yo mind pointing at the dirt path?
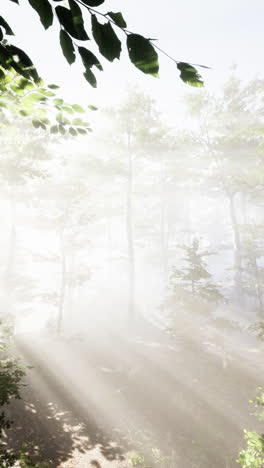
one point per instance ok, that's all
(94, 400)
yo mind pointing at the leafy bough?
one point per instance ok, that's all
(103, 28)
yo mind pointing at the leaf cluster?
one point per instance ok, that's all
(253, 455)
(41, 105)
(103, 29)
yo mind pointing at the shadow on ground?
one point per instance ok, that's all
(107, 393)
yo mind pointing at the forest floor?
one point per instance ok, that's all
(135, 398)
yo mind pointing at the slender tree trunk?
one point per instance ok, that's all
(164, 225)
(244, 208)
(10, 264)
(189, 227)
(8, 277)
(63, 285)
(108, 247)
(258, 285)
(71, 285)
(237, 247)
(130, 235)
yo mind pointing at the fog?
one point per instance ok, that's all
(132, 273)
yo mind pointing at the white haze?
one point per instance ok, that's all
(129, 354)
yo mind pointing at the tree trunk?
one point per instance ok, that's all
(71, 285)
(237, 248)
(8, 279)
(258, 285)
(164, 226)
(130, 236)
(62, 286)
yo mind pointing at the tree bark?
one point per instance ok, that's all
(130, 234)
(237, 247)
(164, 225)
(62, 286)
(8, 277)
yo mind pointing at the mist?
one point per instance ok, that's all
(132, 269)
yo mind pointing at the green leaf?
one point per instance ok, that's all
(58, 102)
(72, 131)
(62, 130)
(93, 108)
(23, 83)
(78, 108)
(142, 54)
(6, 59)
(78, 19)
(62, 120)
(68, 109)
(20, 61)
(44, 10)
(78, 121)
(90, 77)
(16, 89)
(36, 123)
(66, 19)
(106, 39)
(89, 59)
(67, 46)
(93, 3)
(82, 131)
(54, 129)
(35, 97)
(46, 92)
(25, 112)
(117, 18)
(53, 86)
(6, 26)
(189, 74)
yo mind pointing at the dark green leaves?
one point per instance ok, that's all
(53, 86)
(78, 20)
(93, 3)
(90, 77)
(89, 60)
(72, 21)
(106, 39)
(67, 46)
(142, 51)
(44, 10)
(142, 54)
(20, 61)
(118, 19)
(189, 74)
(6, 26)
(93, 108)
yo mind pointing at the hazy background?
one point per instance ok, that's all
(132, 269)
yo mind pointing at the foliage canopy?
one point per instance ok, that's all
(103, 30)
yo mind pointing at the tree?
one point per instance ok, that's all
(253, 455)
(194, 277)
(11, 374)
(229, 134)
(22, 97)
(73, 25)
